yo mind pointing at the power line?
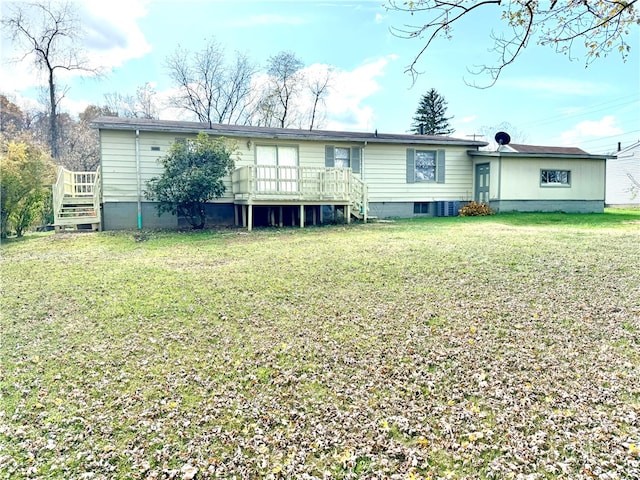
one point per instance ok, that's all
(598, 107)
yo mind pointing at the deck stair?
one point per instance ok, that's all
(76, 200)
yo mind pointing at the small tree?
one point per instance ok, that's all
(430, 118)
(49, 34)
(193, 175)
(26, 173)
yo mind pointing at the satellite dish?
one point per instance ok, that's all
(502, 138)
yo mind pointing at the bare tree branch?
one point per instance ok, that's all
(208, 87)
(51, 33)
(602, 26)
(318, 87)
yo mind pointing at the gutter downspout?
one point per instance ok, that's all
(139, 179)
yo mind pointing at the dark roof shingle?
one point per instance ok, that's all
(520, 148)
(118, 123)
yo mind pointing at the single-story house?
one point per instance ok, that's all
(532, 178)
(293, 177)
(623, 178)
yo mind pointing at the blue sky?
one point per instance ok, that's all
(548, 98)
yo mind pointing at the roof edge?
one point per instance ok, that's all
(484, 153)
(117, 123)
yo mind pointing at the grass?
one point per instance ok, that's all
(496, 347)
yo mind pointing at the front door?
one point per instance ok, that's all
(482, 183)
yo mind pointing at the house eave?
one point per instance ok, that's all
(482, 153)
(265, 133)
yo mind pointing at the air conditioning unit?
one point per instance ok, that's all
(447, 209)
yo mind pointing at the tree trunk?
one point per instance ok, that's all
(53, 120)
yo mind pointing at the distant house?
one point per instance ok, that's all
(532, 178)
(623, 177)
(296, 177)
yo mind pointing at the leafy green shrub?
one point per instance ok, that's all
(26, 171)
(194, 174)
(475, 209)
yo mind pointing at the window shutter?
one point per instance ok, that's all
(355, 159)
(440, 166)
(329, 156)
(411, 165)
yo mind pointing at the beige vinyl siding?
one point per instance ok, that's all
(118, 167)
(521, 179)
(119, 176)
(385, 172)
(119, 160)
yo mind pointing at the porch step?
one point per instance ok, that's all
(91, 227)
(85, 200)
(77, 212)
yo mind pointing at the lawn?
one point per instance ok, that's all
(496, 347)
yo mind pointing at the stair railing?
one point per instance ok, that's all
(359, 198)
(58, 192)
(97, 192)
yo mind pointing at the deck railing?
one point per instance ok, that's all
(76, 184)
(285, 183)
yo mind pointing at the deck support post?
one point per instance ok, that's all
(347, 213)
(301, 216)
(250, 217)
(236, 221)
(281, 218)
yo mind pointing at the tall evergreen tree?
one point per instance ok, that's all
(430, 118)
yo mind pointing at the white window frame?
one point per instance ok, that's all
(339, 160)
(418, 176)
(272, 178)
(550, 177)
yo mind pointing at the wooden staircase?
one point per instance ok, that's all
(76, 200)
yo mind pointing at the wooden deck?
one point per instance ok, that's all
(300, 192)
(302, 187)
(76, 200)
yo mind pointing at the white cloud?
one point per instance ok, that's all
(346, 108)
(380, 18)
(111, 36)
(113, 33)
(605, 127)
(468, 119)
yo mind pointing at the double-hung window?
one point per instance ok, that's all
(425, 165)
(342, 157)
